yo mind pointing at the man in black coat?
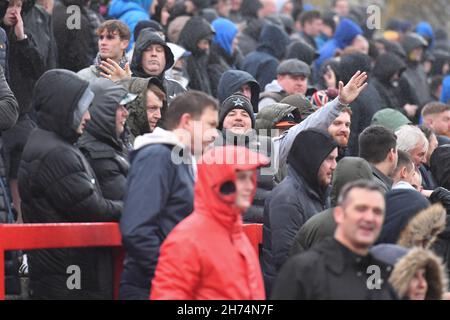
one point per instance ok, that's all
(102, 143)
(342, 268)
(303, 193)
(57, 184)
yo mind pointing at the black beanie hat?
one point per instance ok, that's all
(309, 149)
(236, 101)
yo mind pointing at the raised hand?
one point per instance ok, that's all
(353, 88)
(112, 70)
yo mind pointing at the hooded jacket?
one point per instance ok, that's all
(366, 104)
(100, 144)
(386, 66)
(401, 206)
(145, 39)
(322, 225)
(231, 82)
(208, 256)
(296, 199)
(410, 263)
(196, 29)
(160, 193)
(262, 64)
(302, 51)
(345, 33)
(130, 12)
(248, 38)
(137, 120)
(57, 185)
(77, 47)
(414, 76)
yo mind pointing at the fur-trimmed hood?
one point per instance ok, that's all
(423, 228)
(414, 260)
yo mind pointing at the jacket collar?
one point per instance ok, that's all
(338, 257)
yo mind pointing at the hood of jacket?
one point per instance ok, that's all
(137, 119)
(351, 63)
(273, 40)
(412, 41)
(387, 65)
(196, 29)
(401, 206)
(269, 116)
(426, 30)
(423, 228)
(302, 51)
(226, 31)
(215, 189)
(440, 165)
(249, 8)
(158, 136)
(346, 31)
(347, 170)
(409, 264)
(103, 111)
(231, 82)
(145, 39)
(309, 149)
(55, 99)
(118, 8)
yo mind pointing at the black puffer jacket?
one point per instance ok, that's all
(197, 65)
(57, 184)
(105, 151)
(145, 39)
(386, 66)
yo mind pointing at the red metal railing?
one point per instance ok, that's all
(60, 235)
(77, 235)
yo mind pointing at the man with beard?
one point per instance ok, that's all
(302, 194)
(339, 129)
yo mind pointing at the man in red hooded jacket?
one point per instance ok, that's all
(207, 256)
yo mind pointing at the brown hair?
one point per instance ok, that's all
(112, 26)
(192, 102)
(434, 108)
(347, 110)
(157, 91)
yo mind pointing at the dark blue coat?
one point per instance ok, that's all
(159, 195)
(262, 64)
(289, 206)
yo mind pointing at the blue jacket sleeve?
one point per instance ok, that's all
(147, 194)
